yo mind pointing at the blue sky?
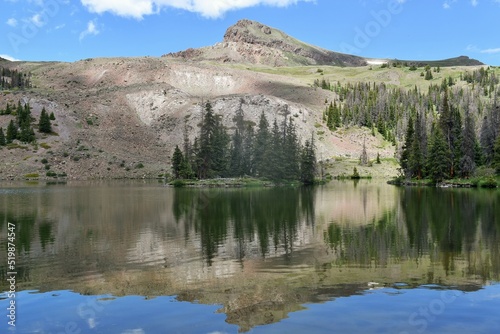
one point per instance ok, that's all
(70, 30)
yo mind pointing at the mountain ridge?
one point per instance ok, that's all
(252, 42)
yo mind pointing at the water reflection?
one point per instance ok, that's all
(270, 217)
(260, 253)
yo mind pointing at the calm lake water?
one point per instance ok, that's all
(139, 257)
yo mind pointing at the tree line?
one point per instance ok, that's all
(271, 151)
(10, 79)
(458, 125)
(21, 127)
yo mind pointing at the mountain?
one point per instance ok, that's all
(457, 61)
(255, 43)
(252, 42)
(123, 117)
(3, 59)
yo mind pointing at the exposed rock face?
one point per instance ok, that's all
(253, 42)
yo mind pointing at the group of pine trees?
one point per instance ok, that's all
(273, 152)
(21, 127)
(452, 148)
(10, 79)
(437, 127)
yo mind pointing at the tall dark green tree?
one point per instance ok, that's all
(496, 156)
(469, 144)
(291, 152)
(44, 125)
(12, 132)
(177, 162)
(2, 138)
(406, 149)
(261, 146)
(308, 162)
(438, 161)
(416, 161)
(220, 149)
(205, 154)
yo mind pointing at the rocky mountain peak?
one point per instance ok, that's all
(248, 31)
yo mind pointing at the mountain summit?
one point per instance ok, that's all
(255, 43)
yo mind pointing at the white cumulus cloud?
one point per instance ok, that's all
(91, 30)
(12, 22)
(207, 8)
(491, 51)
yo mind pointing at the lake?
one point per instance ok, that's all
(348, 257)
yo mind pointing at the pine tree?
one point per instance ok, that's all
(308, 162)
(177, 162)
(44, 123)
(261, 146)
(220, 150)
(405, 154)
(291, 152)
(469, 143)
(11, 132)
(438, 163)
(2, 138)
(363, 159)
(205, 154)
(52, 117)
(416, 160)
(496, 156)
(235, 165)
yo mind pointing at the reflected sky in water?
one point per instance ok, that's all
(261, 260)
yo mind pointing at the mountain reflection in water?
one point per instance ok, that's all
(259, 253)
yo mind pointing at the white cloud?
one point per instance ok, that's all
(91, 30)
(12, 22)
(491, 51)
(474, 3)
(38, 20)
(447, 4)
(212, 9)
(9, 58)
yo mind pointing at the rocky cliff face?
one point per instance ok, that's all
(252, 42)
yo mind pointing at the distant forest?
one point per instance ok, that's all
(273, 152)
(10, 79)
(446, 132)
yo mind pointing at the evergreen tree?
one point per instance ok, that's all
(220, 150)
(438, 163)
(416, 160)
(291, 152)
(405, 154)
(363, 159)
(248, 151)
(11, 132)
(3, 142)
(52, 117)
(274, 157)
(308, 162)
(177, 162)
(44, 123)
(205, 154)
(261, 146)
(469, 143)
(236, 163)
(496, 156)
(487, 140)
